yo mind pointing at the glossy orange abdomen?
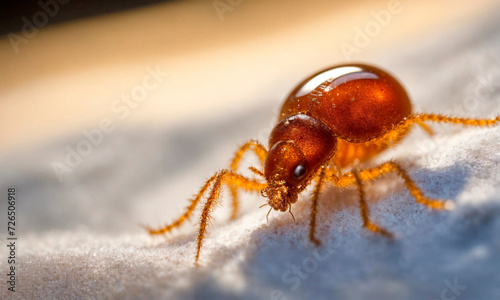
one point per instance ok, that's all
(359, 103)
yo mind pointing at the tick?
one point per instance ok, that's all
(330, 123)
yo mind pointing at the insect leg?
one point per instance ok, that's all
(261, 153)
(365, 214)
(187, 214)
(317, 190)
(356, 178)
(232, 180)
(463, 121)
(340, 180)
(425, 127)
(373, 173)
(402, 128)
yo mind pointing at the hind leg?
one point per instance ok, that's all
(421, 119)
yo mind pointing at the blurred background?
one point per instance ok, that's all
(64, 65)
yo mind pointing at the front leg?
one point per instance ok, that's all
(233, 180)
(317, 190)
(227, 177)
(187, 213)
(261, 153)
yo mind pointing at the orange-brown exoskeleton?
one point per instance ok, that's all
(328, 125)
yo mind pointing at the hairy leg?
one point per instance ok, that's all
(255, 146)
(344, 180)
(349, 179)
(365, 214)
(231, 179)
(352, 178)
(373, 173)
(317, 190)
(261, 153)
(420, 119)
(187, 214)
(358, 177)
(425, 127)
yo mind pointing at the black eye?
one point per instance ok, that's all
(299, 172)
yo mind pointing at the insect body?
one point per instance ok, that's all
(332, 121)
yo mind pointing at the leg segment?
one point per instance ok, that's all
(420, 119)
(223, 177)
(261, 153)
(371, 174)
(365, 212)
(227, 177)
(259, 150)
(349, 179)
(425, 127)
(344, 180)
(463, 121)
(317, 190)
(187, 214)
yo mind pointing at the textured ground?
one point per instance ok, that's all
(79, 237)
